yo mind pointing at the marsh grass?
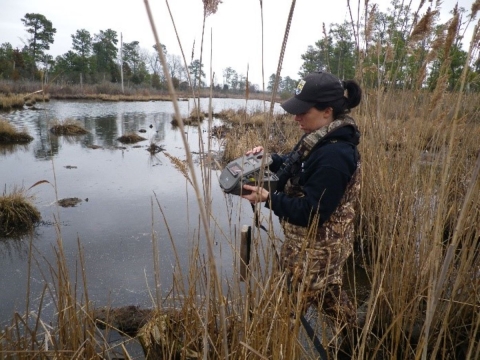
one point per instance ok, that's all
(10, 135)
(18, 215)
(417, 241)
(195, 117)
(10, 102)
(68, 127)
(245, 130)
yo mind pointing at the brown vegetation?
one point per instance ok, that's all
(69, 202)
(246, 130)
(130, 138)
(416, 246)
(11, 100)
(196, 117)
(68, 127)
(17, 213)
(10, 135)
(154, 148)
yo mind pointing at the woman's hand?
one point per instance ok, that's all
(255, 150)
(258, 194)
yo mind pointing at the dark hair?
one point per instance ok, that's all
(343, 105)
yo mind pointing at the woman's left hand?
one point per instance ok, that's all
(258, 194)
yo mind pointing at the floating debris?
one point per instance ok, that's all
(154, 148)
(94, 147)
(69, 202)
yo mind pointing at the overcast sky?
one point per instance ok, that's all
(235, 28)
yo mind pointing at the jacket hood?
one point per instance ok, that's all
(347, 133)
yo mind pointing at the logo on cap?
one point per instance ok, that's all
(300, 86)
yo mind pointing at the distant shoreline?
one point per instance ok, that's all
(112, 92)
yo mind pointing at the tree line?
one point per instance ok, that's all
(98, 57)
(104, 57)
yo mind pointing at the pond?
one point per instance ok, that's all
(119, 186)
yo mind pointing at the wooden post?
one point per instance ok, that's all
(245, 243)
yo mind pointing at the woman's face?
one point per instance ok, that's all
(314, 119)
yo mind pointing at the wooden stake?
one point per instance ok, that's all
(245, 243)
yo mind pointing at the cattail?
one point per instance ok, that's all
(210, 6)
(370, 22)
(452, 30)
(475, 8)
(389, 53)
(424, 25)
(179, 165)
(439, 41)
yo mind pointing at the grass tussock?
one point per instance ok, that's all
(10, 135)
(17, 213)
(36, 97)
(11, 102)
(196, 117)
(130, 138)
(68, 127)
(154, 148)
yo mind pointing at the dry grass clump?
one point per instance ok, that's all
(17, 213)
(154, 148)
(32, 99)
(68, 127)
(130, 138)
(196, 117)
(10, 135)
(9, 102)
(246, 131)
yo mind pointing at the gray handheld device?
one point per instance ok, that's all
(249, 169)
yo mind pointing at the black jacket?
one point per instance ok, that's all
(324, 176)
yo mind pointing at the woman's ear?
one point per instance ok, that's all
(328, 112)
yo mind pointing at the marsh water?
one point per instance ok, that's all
(121, 188)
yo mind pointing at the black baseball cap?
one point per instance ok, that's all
(317, 87)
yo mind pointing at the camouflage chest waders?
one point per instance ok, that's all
(315, 256)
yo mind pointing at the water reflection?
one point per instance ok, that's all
(9, 149)
(115, 226)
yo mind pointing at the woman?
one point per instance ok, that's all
(318, 185)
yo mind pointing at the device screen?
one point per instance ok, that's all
(235, 169)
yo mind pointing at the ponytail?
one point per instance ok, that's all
(354, 93)
(342, 106)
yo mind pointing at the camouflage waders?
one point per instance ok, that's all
(315, 256)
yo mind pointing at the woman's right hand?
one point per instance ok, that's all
(255, 150)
